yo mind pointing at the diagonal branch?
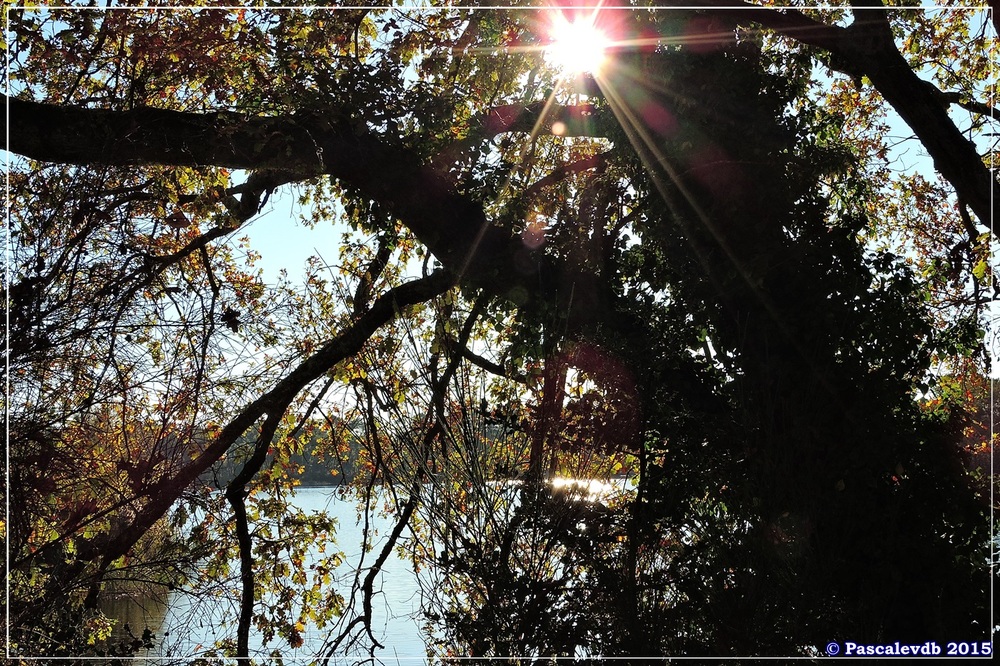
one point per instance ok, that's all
(787, 21)
(271, 404)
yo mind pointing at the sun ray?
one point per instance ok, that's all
(580, 46)
(658, 165)
(508, 181)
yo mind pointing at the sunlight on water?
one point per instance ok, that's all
(592, 490)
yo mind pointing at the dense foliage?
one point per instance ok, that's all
(705, 267)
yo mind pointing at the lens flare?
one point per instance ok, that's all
(577, 47)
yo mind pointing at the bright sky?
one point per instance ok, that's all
(284, 242)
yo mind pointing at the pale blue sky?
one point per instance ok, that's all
(284, 242)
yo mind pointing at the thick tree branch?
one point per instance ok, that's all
(255, 191)
(963, 101)
(541, 117)
(452, 226)
(76, 135)
(871, 50)
(562, 172)
(789, 22)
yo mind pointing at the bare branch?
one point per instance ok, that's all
(489, 366)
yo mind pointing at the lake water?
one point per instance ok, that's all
(188, 626)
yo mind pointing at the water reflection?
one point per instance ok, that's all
(135, 612)
(591, 490)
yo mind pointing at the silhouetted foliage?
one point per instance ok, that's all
(693, 273)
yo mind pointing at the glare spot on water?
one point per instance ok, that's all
(589, 489)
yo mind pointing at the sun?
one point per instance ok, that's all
(577, 47)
